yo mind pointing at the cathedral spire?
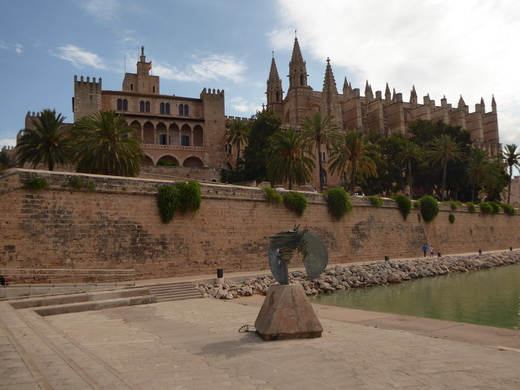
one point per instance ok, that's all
(388, 95)
(297, 68)
(413, 96)
(330, 93)
(274, 85)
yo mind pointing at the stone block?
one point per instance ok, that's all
(287, 314)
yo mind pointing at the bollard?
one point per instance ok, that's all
(510, 248)
(387, 258)
(439, 254)
(220, 276)
(480, 251)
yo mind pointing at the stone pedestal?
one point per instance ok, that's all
(287, 314)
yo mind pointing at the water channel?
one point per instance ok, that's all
(487, 297)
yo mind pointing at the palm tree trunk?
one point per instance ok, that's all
(238, 153)
(320, 166)
(353, 182)
(410, 178)
(509, 187)
(443, 195)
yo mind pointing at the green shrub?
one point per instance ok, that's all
(486, 208)
(376, 201)
(429, 208)
(36, 183)
(495, 206)
(508, 209)
(471, 207)
(338, 202)
(271, 196)
(189, 196)
(451, 218)
(296, 202)
(168, 202)
(404, 204)
(76, 183)
(162, 163)
(454, 205)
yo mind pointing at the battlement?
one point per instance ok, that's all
(212, 92)
(83, 82)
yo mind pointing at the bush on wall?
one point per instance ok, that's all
(471, 207)
(168, 202)
(508, 209)
(36, 183)
(486, 208)
(429, 208)
(271, 196)
(189, 196)
(182, 197)
(296, 202)
(451, 218)
(338, 202)
(375, 201)
(404, 204)
(495, 206)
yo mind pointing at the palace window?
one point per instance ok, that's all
(163, 139)
(141, 106)
(119, 104)
(184, 109)
(147, 106)
(229, 149)
(185, 140)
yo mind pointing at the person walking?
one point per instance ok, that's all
(431, 251)
(424, 249)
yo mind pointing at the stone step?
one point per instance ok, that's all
(77, 298)
(174, 291)
(94, 305)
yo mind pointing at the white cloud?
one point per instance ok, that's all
(79, 57)
(212, 67)
(18, 48)
(7, 142)
(102, 10)
(242, 105)
(442, 47)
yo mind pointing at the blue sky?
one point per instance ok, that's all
(443, 47)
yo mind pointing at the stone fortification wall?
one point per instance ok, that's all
(117, 225)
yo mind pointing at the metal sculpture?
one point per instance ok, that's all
(282, 249)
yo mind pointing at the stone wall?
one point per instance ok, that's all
(118, 226)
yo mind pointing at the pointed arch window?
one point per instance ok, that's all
(162, 110)
(181, 109)
(147, 106)
(119, 104)
(167, 108)
(141, 106)
(125, 105)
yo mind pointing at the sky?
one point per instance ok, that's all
(468, 48)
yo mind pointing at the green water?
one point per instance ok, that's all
(488, 297)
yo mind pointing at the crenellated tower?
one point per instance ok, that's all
(87, 96)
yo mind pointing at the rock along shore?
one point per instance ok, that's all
(341, 278)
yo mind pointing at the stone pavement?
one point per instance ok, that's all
(196, 344)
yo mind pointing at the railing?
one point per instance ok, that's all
(49, 276)
(172, 147)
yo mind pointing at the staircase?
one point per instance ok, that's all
(174, 291)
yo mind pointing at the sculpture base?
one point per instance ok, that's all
(287, 314)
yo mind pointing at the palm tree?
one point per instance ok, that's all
(237, 132)
(480, 169)
(291, 159)
(45, 142)
(6, 161)
(410, 151)
(104, 145)
(352, 155)
(319, 130)
(511, 155)
(445, 149)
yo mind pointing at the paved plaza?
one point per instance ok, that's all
(196, 344)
